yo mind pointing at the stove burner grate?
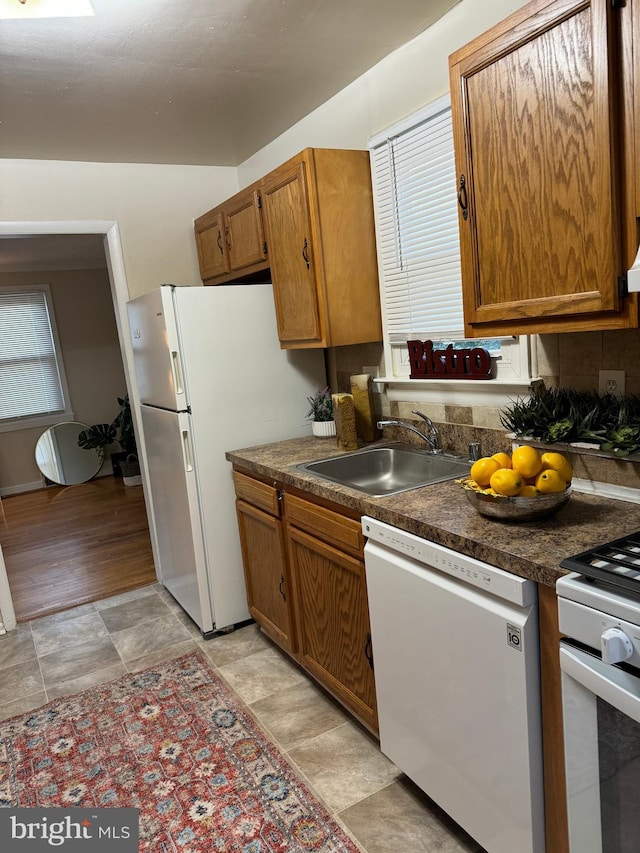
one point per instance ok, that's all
(616, 562)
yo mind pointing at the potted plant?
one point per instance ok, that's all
(321, 413)
(119, 431)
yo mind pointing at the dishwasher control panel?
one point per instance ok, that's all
(468, 569)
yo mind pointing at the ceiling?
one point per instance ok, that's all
(206, 82)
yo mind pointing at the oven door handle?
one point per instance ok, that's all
(612, 684)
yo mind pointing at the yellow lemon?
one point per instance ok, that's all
(559, 463)
(550, 481)
(506, 481)
(526, 461)
(503, 459)
(482, 469)
(529, 492)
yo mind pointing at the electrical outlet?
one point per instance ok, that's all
(611, 382)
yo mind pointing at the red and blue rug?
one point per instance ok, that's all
(173, 742)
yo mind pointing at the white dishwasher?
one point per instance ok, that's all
(456, 658)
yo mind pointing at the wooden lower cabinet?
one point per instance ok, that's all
(263, 554)
(306, 588)
(333, 615)
(265, 559)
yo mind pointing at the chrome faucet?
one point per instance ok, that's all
(432, 436)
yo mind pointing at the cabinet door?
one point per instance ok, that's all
(535, 126)
(212, 248)
(291, 254)
(265, 569)
(333, 619)
(243, 231)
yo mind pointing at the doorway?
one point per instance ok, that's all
(109, 233)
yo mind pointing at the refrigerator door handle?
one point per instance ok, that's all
(188, 453)
(178, 380)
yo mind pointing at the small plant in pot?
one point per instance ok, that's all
(119, 431)
(321, 413)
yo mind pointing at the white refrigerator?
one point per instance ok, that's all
(211, 377)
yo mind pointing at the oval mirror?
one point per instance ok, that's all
(60, 458)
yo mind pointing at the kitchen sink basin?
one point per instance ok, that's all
(387, 469)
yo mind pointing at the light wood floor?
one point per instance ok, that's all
(68, 545)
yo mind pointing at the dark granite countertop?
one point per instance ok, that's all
(442, 514)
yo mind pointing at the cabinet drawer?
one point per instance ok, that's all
(331, 527)
(257, 493)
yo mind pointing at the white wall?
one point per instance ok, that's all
(154, 206)
(397, 86)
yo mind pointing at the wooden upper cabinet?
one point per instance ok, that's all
(213, 256)
(230, 239)
(243, 230)
(539, 132)
(318, 212)
(291, 255)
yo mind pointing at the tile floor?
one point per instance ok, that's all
(76, 649)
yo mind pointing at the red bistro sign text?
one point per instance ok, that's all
(427, 363)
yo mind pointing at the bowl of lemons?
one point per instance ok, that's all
(526, 486)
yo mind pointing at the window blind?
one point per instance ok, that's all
(31, 382)
(414, 184)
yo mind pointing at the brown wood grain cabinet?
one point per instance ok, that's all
(230, 239)
(213, 256)
(264, 556)
(318, 213)
(244, 230)
(306, 588)
(544, 138)
(326, 553)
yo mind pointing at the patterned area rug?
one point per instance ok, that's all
(173, 742)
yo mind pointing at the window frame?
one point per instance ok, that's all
(49, 418)
(516, 365)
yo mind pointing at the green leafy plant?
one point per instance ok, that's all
(566, 415)
(321, 406)
(120, 430)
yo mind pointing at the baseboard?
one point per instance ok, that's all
(5, 491)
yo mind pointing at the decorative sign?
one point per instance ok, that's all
(428, 363)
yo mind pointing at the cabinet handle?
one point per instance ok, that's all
(228, 242)
(281, 588)
(219, 242)
(304, 252)
(368, 651)
(462, 197)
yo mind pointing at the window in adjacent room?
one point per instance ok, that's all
(415, 202)
(34, 389)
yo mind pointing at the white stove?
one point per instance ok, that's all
(599, 614)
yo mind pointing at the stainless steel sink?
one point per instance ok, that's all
(387, 469)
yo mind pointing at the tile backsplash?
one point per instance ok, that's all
(568, 360)
(574, 360)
